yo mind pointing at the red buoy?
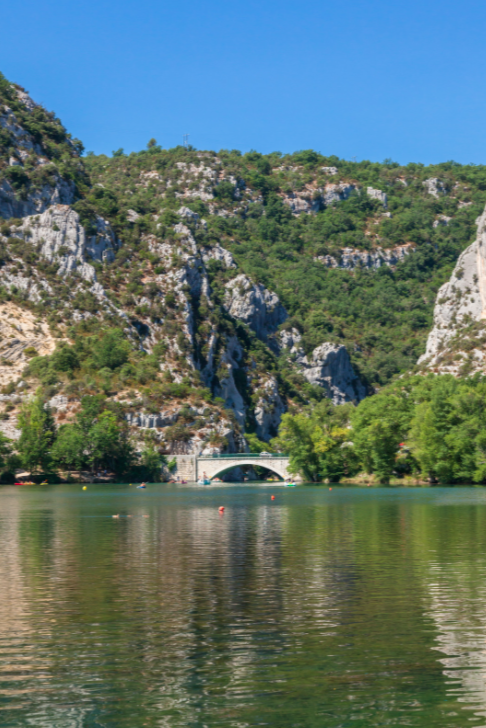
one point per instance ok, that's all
(330, 488)
(273, 497)
(221, 509)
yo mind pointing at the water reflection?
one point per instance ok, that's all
(360, 607)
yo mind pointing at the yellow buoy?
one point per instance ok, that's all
(84, 487)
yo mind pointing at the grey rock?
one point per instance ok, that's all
(352, 258)
(36, 201)
(132, 216)
(434, 186)
(299, 203)
(188, 214)
(227, 389)
(220, 254)
(269, 410)
(378, 195)
(337, 192)
(329, 367)
(60, 237)
(25, 99)
(255, 305)
(441, 220)
(330, 170)
(462, 299)
(290, 339)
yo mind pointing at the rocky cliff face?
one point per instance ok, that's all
(460, 302)
(328, 366)
(351, 258)
(314, 199)
(59, 237)
(256, 306)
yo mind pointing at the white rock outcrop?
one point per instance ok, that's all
(352, 258)
(227, 389)
(59, 236)
(220, 254)
(269, 409)
(462, 299)
(314, 199)
(302, 203)
(36, 200)
(378, 195)
(441, 220)
(329, 367)
(434, 186)
(255, 305)
(337, 192)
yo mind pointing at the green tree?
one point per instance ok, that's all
(68, 451)
(152, 460)
(37, 433)
(380, 423)
(112, 350)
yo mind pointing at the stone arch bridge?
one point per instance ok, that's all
(193, 467)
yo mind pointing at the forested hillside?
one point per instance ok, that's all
(187, 299)
(284, 217)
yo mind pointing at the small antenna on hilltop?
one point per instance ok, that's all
(185, 140)
(354, 159)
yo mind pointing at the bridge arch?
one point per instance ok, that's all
(212, 467)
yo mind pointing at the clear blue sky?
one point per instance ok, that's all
(364, 78)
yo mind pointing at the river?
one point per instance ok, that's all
(350, 607)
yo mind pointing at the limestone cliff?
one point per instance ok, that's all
(328, 366)
(255, 305)
(460, 302)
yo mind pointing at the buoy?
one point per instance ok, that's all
(330, 488)
(221, 509)
(273, 497)
(84, 487)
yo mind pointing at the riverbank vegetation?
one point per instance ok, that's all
(431, 427)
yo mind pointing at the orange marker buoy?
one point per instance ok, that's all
(221, 509)
(273, 497)
(330, 488)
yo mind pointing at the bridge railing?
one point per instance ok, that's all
(236, 455)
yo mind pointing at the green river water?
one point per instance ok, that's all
(329, 609)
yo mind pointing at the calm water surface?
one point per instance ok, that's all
(351, 607)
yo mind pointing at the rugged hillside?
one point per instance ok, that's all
(207, 293)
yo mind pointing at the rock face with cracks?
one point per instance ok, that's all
(255, 305)
(328, 366)
(460, 301)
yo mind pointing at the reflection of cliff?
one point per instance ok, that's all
(458, 610)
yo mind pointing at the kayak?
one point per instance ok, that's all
(290, 485)
(204, 481)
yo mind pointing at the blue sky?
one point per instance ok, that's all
(371, 80)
